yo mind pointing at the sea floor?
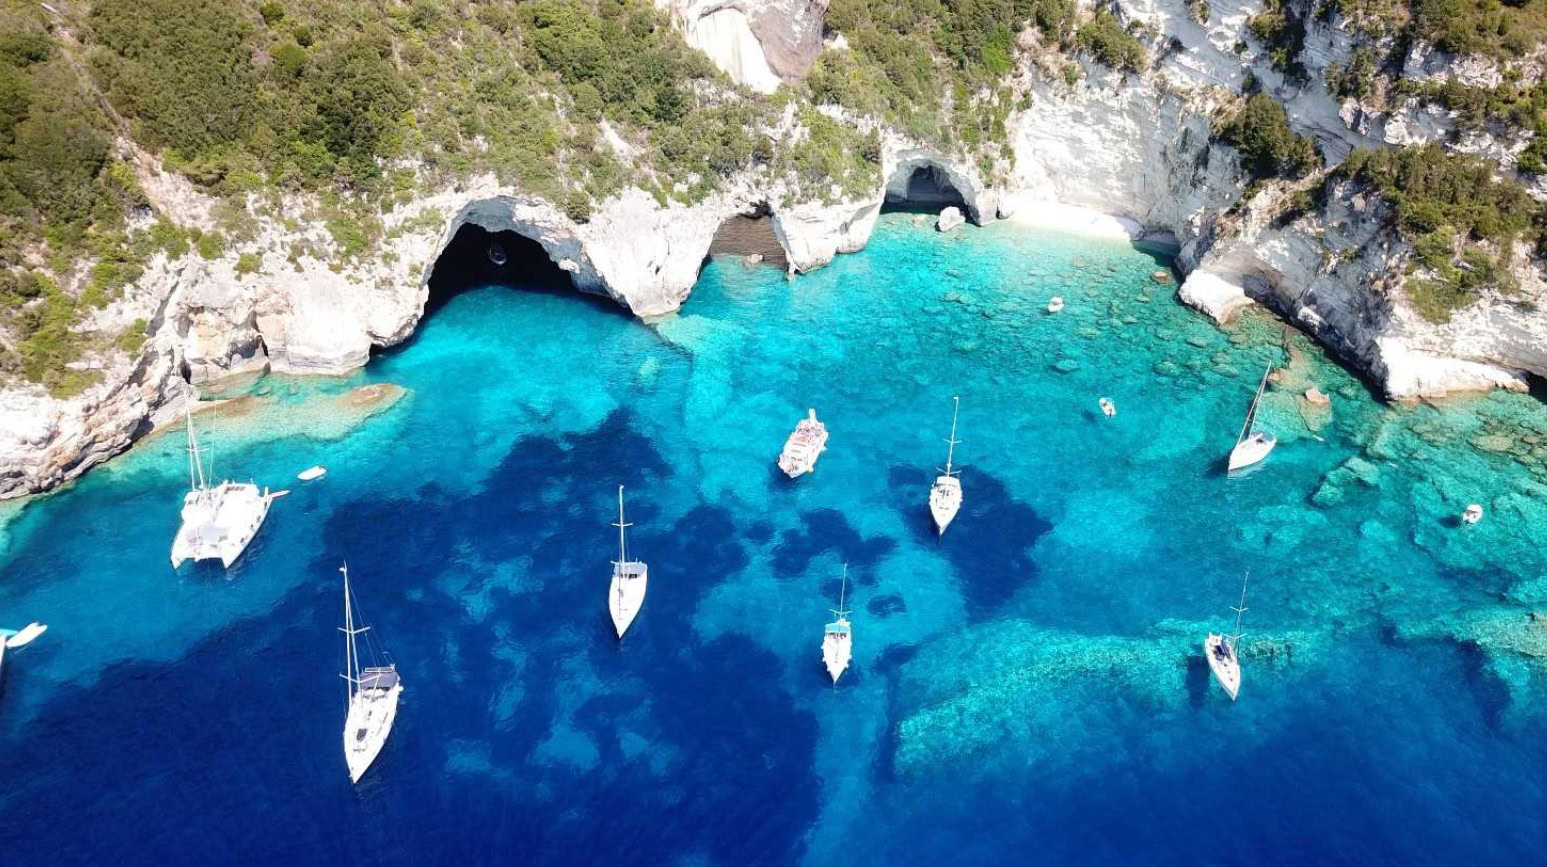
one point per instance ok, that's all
(1030, 688)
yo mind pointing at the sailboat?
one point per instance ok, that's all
(837, 638)
(218, 521)
(16, 639)
(1220, 650)
(373, 695)
(945, 496)
(629, 580)
(1253, 445)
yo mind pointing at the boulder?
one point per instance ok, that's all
(950, 218)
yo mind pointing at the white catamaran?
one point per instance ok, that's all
(220, 520)
(1221, 650)
(629, 579)
(1252, 445)
(837, 638)
(804, 446)
(373, 694)
(945, 496)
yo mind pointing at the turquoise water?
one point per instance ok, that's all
(1029, 688)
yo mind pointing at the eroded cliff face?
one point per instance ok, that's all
(1137, 147)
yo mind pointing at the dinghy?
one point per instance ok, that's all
(1252, 445)
(25, 635)
(310, 473)
(1108, 408)
(373, 694)
(1220, 650)
(804, 446)
(629, 579)
(837, 638)
(1472, 515)
(218, 521)
(945, 496)
(1055, 304)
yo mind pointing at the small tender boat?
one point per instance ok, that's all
(497, 255)
(1472, 515)
(804, 446)
(1108, 408)
(1252, 445)
(310, 473)
(1220, 650)
(838, 637)
(373, 695)
(630, 578)
(218, 521)
(945, 496)
(25, 635)
(1055, 304)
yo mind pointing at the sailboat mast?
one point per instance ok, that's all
(622, 556)
(1251, 413)
(842, 593)
(1240, 609)
(950, 450)
(349, 636)
(196, 479)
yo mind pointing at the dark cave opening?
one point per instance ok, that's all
(750, 234)
(927, 190)
(473, 260)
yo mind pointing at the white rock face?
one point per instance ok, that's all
(949, 219)
(758, 43)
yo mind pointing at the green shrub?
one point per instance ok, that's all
(132, 337)
(1105, 38)
(248, 263)
(210, 245)
(1269, 148)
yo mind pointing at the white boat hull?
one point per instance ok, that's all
(1251, 450)
(803, 447)
(371, 715)
(310, 473)
(220, 522)
(945, 500)
(1223, 663)
(837, 647)
(25, 635)
(626, 595)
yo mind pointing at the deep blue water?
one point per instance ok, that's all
(1029, 689)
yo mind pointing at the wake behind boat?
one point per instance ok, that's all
(630, 579)
(804, 446)
(837, 638)
(373, 695)
(945, 496)
(1220, 650)
(1252, 445)
(218, 521)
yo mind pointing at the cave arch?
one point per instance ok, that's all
(750, 233)
(468, 261)
(924, 187)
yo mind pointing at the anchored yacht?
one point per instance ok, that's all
(1220, 650)
(837, 638)
(630, 578)
(945, 496)
(804, 446)
(1252, 445)
(373, 694)
(218, 521)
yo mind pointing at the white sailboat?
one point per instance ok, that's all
(945, 496)
(14, 639)
(218, 521)
(1252, 445)
(1220, 650)
(805, 444)
(837, 638)
(629, 580)
(373, 695)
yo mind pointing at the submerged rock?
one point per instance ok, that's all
(1066, 365)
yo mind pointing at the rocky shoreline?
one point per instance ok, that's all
(1110, 152)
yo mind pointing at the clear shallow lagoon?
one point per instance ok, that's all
(1028, 690)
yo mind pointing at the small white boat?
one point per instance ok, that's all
(1055, 304)
(804, 446)
(1220, 650)
(838, 637)
(25, 635)
(310, 473)
(945, 496)
(1252, 445)
(497, 255)
(630, 578)
(373, 695)
(218, 521)
(1472, 515)
(1108, 408)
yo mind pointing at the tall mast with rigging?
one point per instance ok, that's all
(1239, 610)
(622, 556)
(951, 443)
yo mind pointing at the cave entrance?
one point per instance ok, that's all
(927, 189)
(750, 234)
(477, 257)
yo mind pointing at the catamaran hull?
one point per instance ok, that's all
(1226, 671)
(626, 596)
(945, 500)
(228, 550)
(367, 727)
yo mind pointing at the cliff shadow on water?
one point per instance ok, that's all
(749, 234)
(926, 190)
